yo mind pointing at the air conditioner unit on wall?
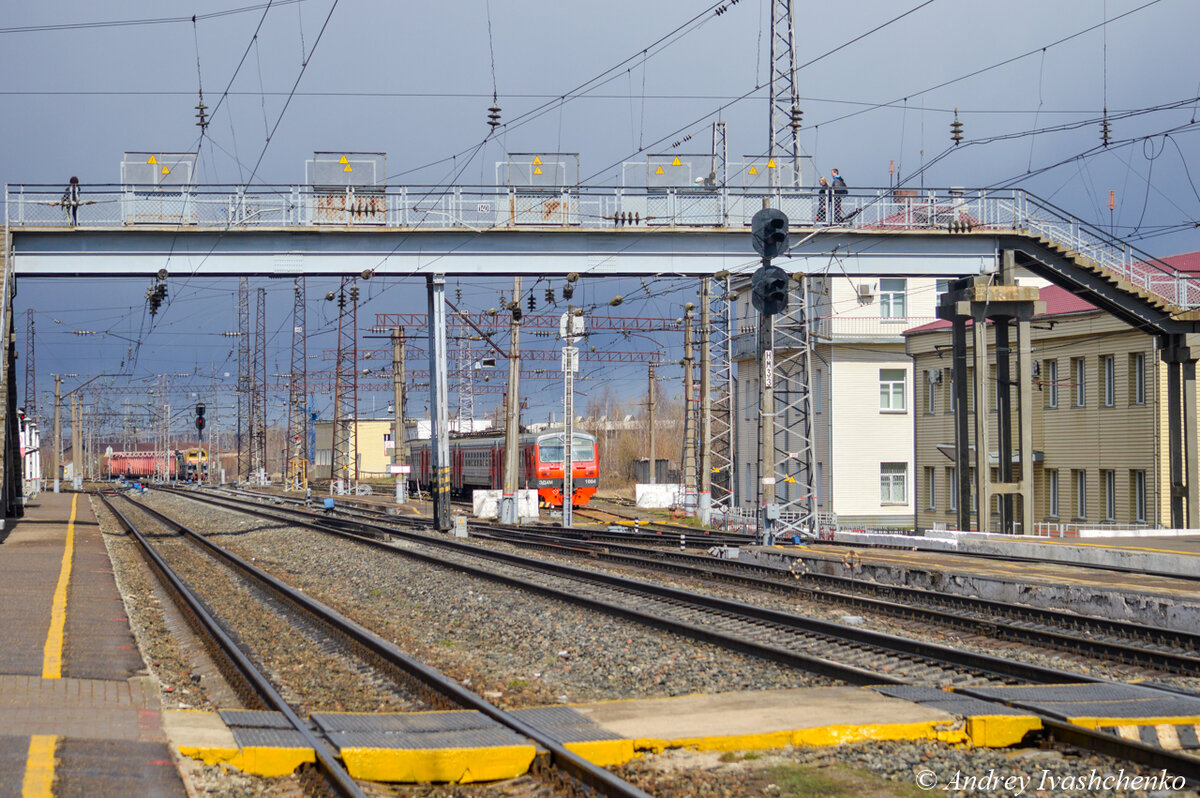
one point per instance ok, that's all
(866, 291)
(934, 377)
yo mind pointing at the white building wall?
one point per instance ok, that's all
(864, 436)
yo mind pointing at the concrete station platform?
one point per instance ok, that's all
(78, 714)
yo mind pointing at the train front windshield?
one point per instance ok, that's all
(551, 450)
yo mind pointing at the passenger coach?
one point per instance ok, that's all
(477, 463)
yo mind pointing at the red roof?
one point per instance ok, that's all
(1058, 301)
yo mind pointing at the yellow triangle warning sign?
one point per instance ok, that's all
(676, 162)
(344, 160)
(166, 171)
(348, 168)
(658, 171)
(536, 160)
(753, 171)
(152, 160)
(771, 164)
(537, 170)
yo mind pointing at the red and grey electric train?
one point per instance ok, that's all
(477, 463)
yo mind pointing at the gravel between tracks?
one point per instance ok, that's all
(513, 648)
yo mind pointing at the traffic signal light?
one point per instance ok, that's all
(200, 417)
(770, 290)
(769, 232)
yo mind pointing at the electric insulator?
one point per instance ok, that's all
(550, 295)
(956, 129)
(1105, 130)
(503, 301)
(458, 293)
(568, 290)
(494, 115)
(201, 115)
(532, 303)
(797, 117)
(354, 293)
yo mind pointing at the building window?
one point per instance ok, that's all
(931, 487)
(1108, 481)
(1079, 366)
(1139, 496)
(943, 286)
(933, 380)
(948, 379)
(1108, 367)
(1051, 381)
(952, 487)
(1052, 491)
(1079, 480)
(1137, 378)
(893, 479)
(891, 298)
(891, 390)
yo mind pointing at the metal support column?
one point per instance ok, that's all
(768, 517)
(704, 498)
(509, 513)
(399, 444)
(983, 480)
(962, 433)
(688, 458)
(435, 285)
(1025, 416)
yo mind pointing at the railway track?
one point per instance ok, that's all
(839, 651)
(569, 774)
(1139, 645)
(843, 652)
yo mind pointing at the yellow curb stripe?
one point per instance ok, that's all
(39, 767)
(53, 651)
(1097, 722)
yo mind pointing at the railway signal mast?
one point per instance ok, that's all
(769, 237)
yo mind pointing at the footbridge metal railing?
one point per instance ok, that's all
(490, 208)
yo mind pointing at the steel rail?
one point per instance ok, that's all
(334, 773)
(1133, 654)
(595, 777)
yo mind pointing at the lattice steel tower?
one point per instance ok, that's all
(345, 386)
(793, 466)
(296, 477)
(30, 369)
(245, 382)
(258, 397)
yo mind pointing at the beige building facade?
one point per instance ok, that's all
(861, 386)
(1099, 420)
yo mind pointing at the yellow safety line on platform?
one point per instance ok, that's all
(39, 767)
(53, 652)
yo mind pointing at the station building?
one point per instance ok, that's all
(1099, 420)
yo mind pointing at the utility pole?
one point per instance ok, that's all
(571, 327)
(56, 464)
(704, 500)
(245, 380)
(689, 414)
(509, 500)
(76, 443)
(399, 444)
(650, 413)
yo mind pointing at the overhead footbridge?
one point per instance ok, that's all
(701, 231)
